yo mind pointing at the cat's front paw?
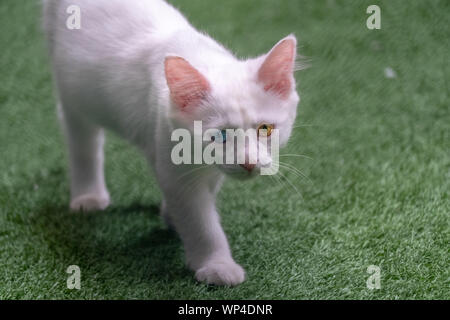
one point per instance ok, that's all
(221, 272)
(90, 202)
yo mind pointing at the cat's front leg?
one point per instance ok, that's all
(195, 218)
(85, 143)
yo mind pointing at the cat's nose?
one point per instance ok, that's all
(249, 167)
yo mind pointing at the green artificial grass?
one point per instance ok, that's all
(378, 188)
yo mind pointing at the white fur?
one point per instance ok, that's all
(110, 74)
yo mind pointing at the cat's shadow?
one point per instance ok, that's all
(120, 247)
(129, 242)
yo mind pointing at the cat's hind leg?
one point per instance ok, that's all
(85, 145)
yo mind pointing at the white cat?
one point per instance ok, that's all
(138, 68)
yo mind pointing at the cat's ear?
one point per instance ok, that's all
(186, 84)
(276, 73)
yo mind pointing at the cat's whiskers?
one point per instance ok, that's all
(278, 180)
(291, 184)
(305, 126)
(295, 170)
(282, 184)
(193, 177)
(184, 175)
(296, 155)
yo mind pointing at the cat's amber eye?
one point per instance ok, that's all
(265, 130)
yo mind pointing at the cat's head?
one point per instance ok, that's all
(254, 94)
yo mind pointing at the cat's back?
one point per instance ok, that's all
(108, 26)
(104, 68)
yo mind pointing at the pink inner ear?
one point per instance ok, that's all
(276, 72)
(187, 85)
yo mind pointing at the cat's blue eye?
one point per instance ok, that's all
(222, 136)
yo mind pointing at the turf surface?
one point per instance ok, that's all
(378, 192)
